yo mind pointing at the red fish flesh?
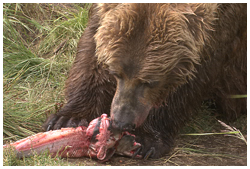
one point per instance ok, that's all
(95, 141)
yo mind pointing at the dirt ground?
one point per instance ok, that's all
(215, 150)
(204, 150)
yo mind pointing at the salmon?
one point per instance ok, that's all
(95, 141)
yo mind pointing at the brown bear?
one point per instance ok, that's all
(150, 67)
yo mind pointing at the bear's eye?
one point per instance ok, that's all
(115, 74)
(151, 84)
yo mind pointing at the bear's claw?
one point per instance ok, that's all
(150, 153)
(137, 151)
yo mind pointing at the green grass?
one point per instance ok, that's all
(39, 46)
(44, 159)
(33, 73)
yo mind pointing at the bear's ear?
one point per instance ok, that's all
(200, 19)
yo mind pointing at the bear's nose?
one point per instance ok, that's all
(122, 126)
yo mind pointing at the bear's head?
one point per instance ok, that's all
(151, 50)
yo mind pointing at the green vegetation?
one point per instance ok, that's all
(43, 159)
(39, 46)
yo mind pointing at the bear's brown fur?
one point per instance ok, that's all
(150, 66)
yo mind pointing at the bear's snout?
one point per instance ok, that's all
(122, 126)
(123, 117)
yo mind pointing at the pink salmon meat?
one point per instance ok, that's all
(95, 141)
